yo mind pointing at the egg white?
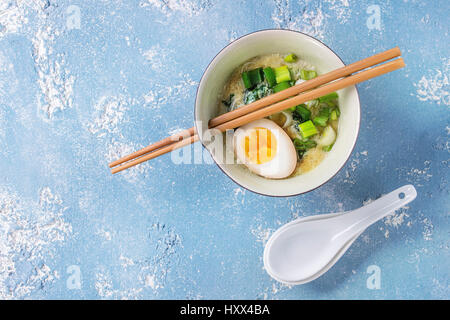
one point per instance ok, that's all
(285, 160)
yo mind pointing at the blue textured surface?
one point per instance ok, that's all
(75, 96)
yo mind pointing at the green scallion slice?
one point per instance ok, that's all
(338, 112)
(282, 74)
(281, 86)
(333, 115)
(256, 76)
(304, 113)
(320, 121)
(307, 129)
(290, 58)
(246, 80)
(270, 76)
(308, 74)
(328, 97)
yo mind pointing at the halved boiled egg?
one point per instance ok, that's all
(266, 149)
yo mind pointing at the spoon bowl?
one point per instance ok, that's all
(306, 248)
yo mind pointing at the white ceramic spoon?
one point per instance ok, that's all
(306, 248)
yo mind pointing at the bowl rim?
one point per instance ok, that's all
(236, 182)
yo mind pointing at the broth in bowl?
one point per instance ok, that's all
(288, 143)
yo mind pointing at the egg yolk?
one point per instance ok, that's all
(260, 145)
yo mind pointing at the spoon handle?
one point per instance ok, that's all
(358, 220)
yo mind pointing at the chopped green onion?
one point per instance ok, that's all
(331, 104)
(321, 120)
(270, 76)
(304, 113)
(281, 86)
(338, 112)
(290, 58)
(256, 76)
(282, 74)
(291, 109)
(333, 115)
(328, 148)
(308, 74)
(328, 97)
(303, 145)
(246, 80)
(307, 129)
(325, 112)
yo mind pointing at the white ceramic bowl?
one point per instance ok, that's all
(314, 52)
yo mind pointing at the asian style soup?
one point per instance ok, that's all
(287, 143)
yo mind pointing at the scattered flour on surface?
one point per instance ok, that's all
(30, 231)
(341, 8)
(105, 289)
(351, 167)
(270, 291)
(54, 79)
(125, 262)
(117, 149)
(434, 87)
(13, 15)
(308, 19)
(397, 219)
(238, 191)
(262, 234)
(109, 113)
(106, 124)
(104, 234)
(158, 58)
(418, 177)
(394, 220)
(232, 35)
(428, 229)
(151, 272)
(186, 7)
(161, 95)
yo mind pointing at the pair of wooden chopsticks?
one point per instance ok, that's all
(324, 84)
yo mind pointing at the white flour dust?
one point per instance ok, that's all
(54, 79)
(117, 149)
(109, 113)
(394, 220)
(262, 234)
(151, 272)
(160, 95)
(417, 176)
(13, 15)
(341, 9)
(434, 86)
(185, 7)
(158, 58)
(355, 161)
(30, 231)
(309, 18)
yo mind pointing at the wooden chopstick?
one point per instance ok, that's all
(277, 107)
(273, 98)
